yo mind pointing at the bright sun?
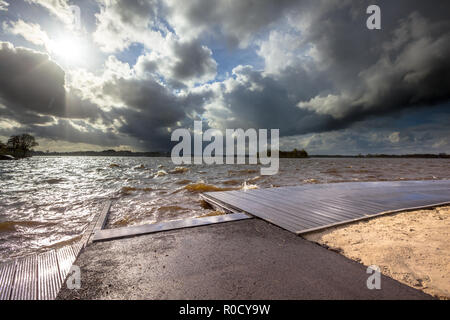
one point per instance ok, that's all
(69, 49)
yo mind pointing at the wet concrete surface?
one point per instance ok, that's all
(249, 259)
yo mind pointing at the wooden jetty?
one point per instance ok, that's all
(307, 208)
(40, 276)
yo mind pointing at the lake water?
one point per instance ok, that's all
(47, 202)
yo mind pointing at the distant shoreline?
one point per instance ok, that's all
(167, 155)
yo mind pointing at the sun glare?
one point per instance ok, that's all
(70, 49)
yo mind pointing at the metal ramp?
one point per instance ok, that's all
(307, 208)
(41, 276)
(38, 276)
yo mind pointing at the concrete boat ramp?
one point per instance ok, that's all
(254, 252)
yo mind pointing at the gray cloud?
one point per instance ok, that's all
(33, 86)
(152, 110)
(325, 73)
(33, 93)
(255, 100)
(30, 80)
(379, 135)
(183, 63)
(351, 74)
(402, 66)
(194, 61)
(3, 5)
(68, 132)
(237, 21)
(136, 12)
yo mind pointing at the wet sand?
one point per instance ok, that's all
(411, 247)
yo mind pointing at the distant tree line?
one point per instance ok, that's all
(412, 155)
(291, 154)
(104, 153)
(294, 154)
(126, 153)
(19, 146)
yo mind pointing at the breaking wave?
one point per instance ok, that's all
(161, 173)
(10, 226)
(129, 190)
(178, 170)
(203, 187)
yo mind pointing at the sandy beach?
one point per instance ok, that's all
(412, 247)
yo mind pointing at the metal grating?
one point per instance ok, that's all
(40, 276)
(66, 258)
(25, 281)
(49, 280)
(7, 273)
(305, 208)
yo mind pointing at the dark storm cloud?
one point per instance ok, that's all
(331, 73)
(185, 62)
(64, 130)
(133, 11)
(358, 74)
(194, 61)
(29, 80)
(3, 5)
(151, 109)
(32, 93)
(376, 72)
(259, 101)
(32, 88)
(236, 20)
(67, 131)
(431, 137)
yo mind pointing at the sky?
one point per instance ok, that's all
(116, 74)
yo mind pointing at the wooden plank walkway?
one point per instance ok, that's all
(40, 276)
(307, 208)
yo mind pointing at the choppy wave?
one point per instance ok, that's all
(178, 170)
(129, 190)
(183, 181)
(246, 186)
(212, 214)
(53, 181)
(161, 173)
(232, 182)
(8, 226)
(311, 181)
(242, 172)
(203, 187)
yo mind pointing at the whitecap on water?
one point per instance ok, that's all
(161, 173)
(246, 186)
